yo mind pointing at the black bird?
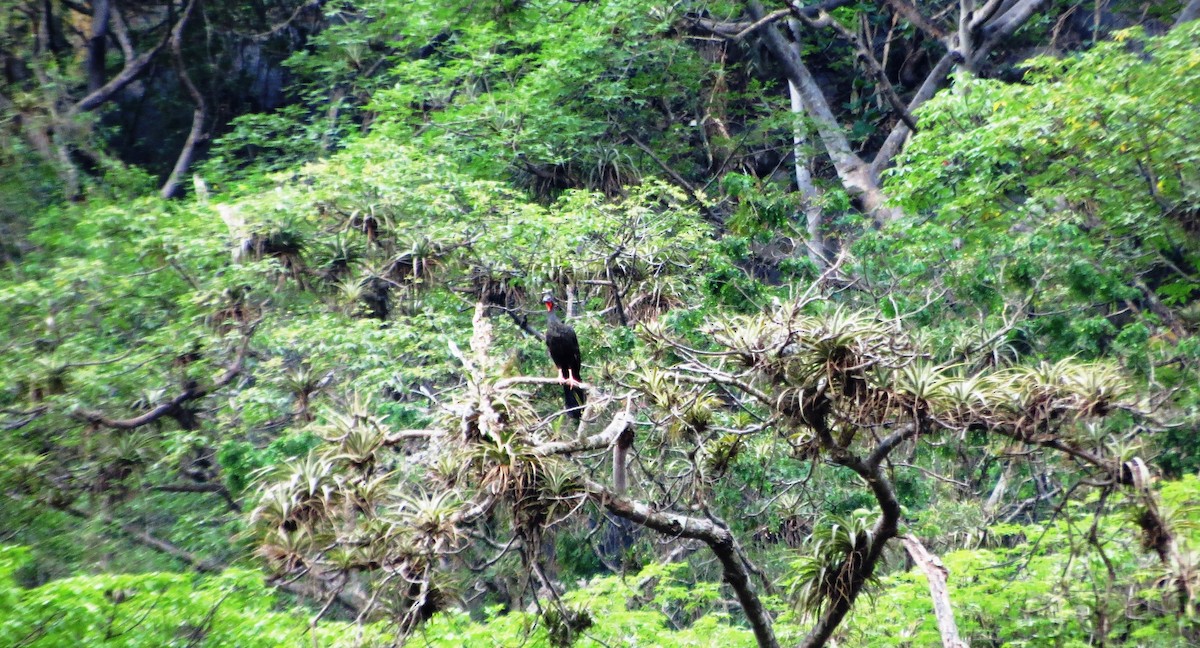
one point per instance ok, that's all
(564, 351)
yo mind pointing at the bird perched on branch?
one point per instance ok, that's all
(564, 351)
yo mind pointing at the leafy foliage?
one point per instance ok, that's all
(157, 609)
(329, 359)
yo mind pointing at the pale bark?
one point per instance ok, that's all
(936, 573)
(999, 28)
(964, 40)
(621, 446)
(993, 501)
(929, 87)
(810, 204)
(854, 173)
(1188, 13)
(867, 58)
(809, 196)
(978, 33)
(199, 114)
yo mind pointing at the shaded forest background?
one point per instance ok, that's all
(887, 310)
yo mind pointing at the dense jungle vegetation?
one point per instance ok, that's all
(887, 314)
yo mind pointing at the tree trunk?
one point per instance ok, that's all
(818, 252)
(1188, 13)
(96, 46)
(854, 173)
(718, 538)
(884, 529)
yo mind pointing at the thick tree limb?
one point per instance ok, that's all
(29, 417)
(818, 251)
(131, 71)
(1188, 13)
(814, 217)
(96, 46)
(929, 87)
(134, 65)
(915, 18)
(400, 436)
(935, 572)
(121, 31)
(718, 538)
(987, 11)
(889, 443)
(536, 380)
(867, 58)
(1000, 28)
(964, 39)
(884, 529)
(621, 424)
(832, 136)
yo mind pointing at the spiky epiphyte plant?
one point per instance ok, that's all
(833, 556)
(301, 380)
(507, 462)
(432, 518)
(355, 439)
(338, 257)
(416, 264)
(564, 624)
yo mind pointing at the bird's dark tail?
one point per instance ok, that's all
(575, 398)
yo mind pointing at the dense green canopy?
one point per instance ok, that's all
(847, 382)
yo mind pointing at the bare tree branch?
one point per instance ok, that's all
(199, 114)
(174, 405)
(916, 18)
(621, 424)
(818, 251)
(935, 572)
(885, 529)
(873, 68)
(1000, 28)
(97, 42)
(718, 538)
(133, 69)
